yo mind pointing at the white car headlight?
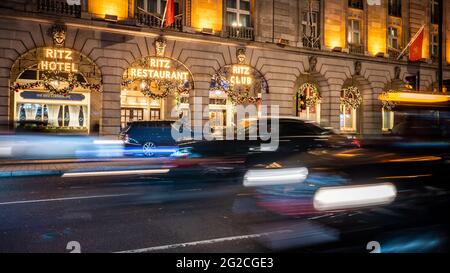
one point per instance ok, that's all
(272, 177)
(344, 197)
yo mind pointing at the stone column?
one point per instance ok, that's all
(110, 120)
(199, 104)
(5, 111)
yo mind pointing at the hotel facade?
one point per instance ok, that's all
(92, 66)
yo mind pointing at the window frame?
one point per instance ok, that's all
(391, 38)
(351, 31)
(238, 11)
(354, 114)
(391, 116)
(395, 8)
(159, 6)
(315, 25)
(434, 12)
(356, 4)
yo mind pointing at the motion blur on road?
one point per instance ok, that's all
(315, 191)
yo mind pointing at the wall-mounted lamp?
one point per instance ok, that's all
(111, 18)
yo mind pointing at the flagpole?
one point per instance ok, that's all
(410, 42)
(164, 16)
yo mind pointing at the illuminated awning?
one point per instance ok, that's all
(415, 99)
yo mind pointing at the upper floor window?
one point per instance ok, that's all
(238, 13)
(395, 8)
(156, 6)
(393, 41)
(434, 45)
(354, 32)
(356, 4)
(310, 26)
(434, 12)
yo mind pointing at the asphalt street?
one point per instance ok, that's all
(134, 213)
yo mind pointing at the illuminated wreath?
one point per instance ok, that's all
(308, 94)
(48, 79)
(166, 87)
(351, 97)
(236, 94)
(387, 104)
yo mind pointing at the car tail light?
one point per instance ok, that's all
(356, 142)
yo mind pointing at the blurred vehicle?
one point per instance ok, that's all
(152, 137)
(53, 147)
(394, 192)
(252, 144)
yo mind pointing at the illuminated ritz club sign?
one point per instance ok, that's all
(59, 60)
(240, 75)
(159, 68)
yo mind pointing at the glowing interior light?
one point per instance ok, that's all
(254, 178)
(55, 83)
(143, 85)
(345, 197)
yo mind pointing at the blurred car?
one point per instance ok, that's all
(252, 144)
(393, 192)
(152, 137)
(34, 140)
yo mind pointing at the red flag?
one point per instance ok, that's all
(415, 50)
(170, 13)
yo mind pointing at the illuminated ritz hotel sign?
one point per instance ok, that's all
(159, 68)
(59, 60)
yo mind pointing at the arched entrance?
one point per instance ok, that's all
(233, 85)
(155, 88)
(55, 90)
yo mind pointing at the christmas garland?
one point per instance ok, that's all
(351, 97)
(240, 95)
(387, 104)
(166, 86)
(311, 99)
(48, 79)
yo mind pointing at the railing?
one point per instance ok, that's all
(313, 42)
(356, 49)
(152, 20)
(59, 7)
(243, 33)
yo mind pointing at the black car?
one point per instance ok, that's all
(153, 137)
(254, 146)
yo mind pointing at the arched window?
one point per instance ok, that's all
(350, 101)
(308, 102)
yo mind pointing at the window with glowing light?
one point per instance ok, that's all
(388, 120)
(393, 41)
(347, 118)
(308, 111)
(238, 13)
(354, 32)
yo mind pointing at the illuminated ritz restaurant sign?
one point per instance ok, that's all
(159, 68)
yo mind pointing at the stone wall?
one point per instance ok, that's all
(114, 49)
